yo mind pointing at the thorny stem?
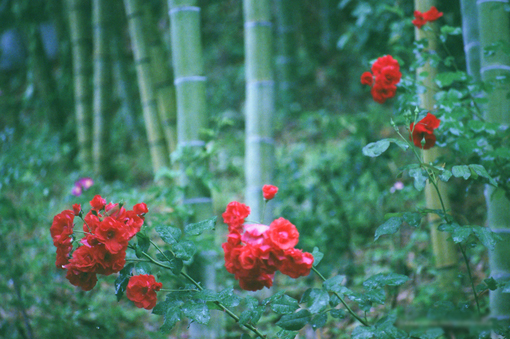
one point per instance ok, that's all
(432, 180)
(200, 288)
(364, 322)
(470, 278)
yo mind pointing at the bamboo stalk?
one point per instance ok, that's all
(445, 254)
(470, 35)
(157, 145)
(102, 84)
(81, 43)
(191, 120)
(163, 83)
(494, 28)
(259, 104)
(285, 58)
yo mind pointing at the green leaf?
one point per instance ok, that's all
(445, 79)
(172, 317)
(362, 332)
(228, 298)
(334, 284)
(142, 267)
(206, 295)
(339, 314)
(284, 334)
(317, 256)
(251, 315)
(412, 218)
(377, 296)
(391, 226)
(379, 280)
(143, 241)
(294, 321)
(122, 280)
(316, 300)
(461, 233)
(481, 171)
(184, 249)
(169, 234)
(485, 235)
(445, 175)
(319, 320)
(284, 305)
(431, 333)
(272, 298)
(199, 227)
(196, 312)
(420, 177)
(461, 171)
(374, 149)
(491, 283)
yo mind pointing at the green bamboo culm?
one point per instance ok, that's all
(157, 145)
(102, 84)
(445, 254)
(471, 38)
(494, 29)
(81, 43)
(286, 55)
(163, 81)
(259, 105)
(192, 119)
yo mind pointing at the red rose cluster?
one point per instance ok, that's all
(420, 19)
(424, 129)
(383, 79)
(142, 289)
(108, 229)
(254, 252)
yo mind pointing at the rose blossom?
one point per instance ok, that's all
(283, 234)
(269, 191)
(424, 129)
(142, 289)
(235, 214)
(97, 203)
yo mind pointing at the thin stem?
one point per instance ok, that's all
(200, 288)
(183, 290)
(470, 278)
(364, 322)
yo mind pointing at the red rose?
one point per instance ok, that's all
(297, 263)
(367, 79)
(432, 14)
(381, 92)
(282, 234)
(420, 19)
(62, 227)
(141, 289)
(256, 283)
(108, 263)
(85, 280)
(112, 234)
(140, 208)
(384, 61)
(132, 222)
(424, 129)
(389, 75)
(76, 209)
(235, 214)
(269, 191)
(83, 260)
(97, 203)
(63, 251)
